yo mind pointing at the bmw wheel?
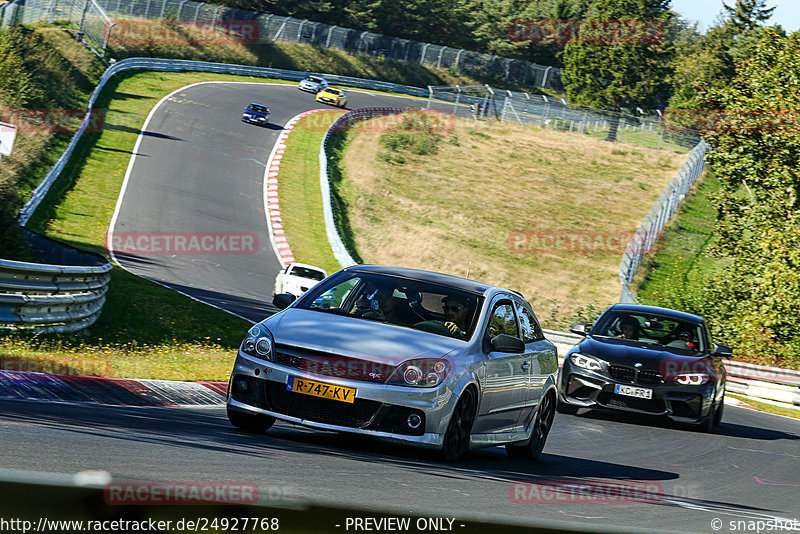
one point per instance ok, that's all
(539, 432)
(456, 438)
(255, 424)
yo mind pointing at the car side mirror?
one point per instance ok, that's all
(506, 343)
(581, 328)
(283, 300)
(722, 351)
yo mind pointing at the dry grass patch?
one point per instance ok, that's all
(497, 196)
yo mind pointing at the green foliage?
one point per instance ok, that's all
(747, 14)
(756, 157)
(612, 75)
(415, 132)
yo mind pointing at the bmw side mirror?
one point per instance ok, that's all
(581, 328)
(722, 351)
(506, 343)
(283, 300)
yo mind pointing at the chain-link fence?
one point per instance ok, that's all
(661, 212)
(484, 102)
(277, 28)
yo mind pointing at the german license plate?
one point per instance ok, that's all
(318, 389)
(631, 391)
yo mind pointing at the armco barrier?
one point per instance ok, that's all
(769, 383)
(343, 122)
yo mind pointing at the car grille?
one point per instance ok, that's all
(357, 414)
(613, 400)
(631, 375)
(326, 364)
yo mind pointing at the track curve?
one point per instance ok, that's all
(197, 170)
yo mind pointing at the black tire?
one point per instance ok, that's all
(710, 423)
(457, 435)
(568, 409)
(718, 415)
(255, 424)
(541, 428)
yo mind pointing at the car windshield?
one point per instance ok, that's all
(651, 329)
(398, 301)
(333, 91)
(305, 272)
(256, 107)
(313, 79)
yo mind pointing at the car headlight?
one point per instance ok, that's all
(423, 373)
(692, 379)
(258, 343)
(586, 362)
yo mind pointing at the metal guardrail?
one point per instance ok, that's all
(342, 123)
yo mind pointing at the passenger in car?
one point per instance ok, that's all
(629, 328)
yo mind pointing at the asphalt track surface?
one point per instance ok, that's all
(748, 471)
(199, 169)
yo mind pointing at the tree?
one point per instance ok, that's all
(756, 156)
(747, 14)
(612, 73)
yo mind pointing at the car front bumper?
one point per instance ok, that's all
(589, 389)
(379, 410)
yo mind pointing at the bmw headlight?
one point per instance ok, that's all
(258, 343)
(692, 379)
(586, 362)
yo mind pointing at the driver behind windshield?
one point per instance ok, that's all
(629, 328)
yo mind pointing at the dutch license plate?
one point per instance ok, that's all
(631, 391)
(318, 389)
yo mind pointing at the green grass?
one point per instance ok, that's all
(300, 196)
(675, 275)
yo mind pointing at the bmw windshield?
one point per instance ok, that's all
(651, 329)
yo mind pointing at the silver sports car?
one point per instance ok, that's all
(406, 355)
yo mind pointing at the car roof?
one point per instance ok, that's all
(307, 266)
(257, 104)
(456, 282)
(641, 308)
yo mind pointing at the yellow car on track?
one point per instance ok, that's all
(334, 97)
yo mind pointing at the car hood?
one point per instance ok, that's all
(357, 338)
(651, 357)
(256, 114)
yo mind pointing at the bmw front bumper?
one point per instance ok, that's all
(260, 387)
(582, 388)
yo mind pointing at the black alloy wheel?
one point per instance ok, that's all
(253, 423)
(456, 438)
(539, 431)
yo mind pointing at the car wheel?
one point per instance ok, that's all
(711, 422)
(718, 415)
(541, 429)
(569, 409)
(456, 437)
(255, 424)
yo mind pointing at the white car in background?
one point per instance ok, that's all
(313, 84)
(297, 278)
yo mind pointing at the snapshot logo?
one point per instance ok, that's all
(180, 493)
(585, 492)
(53, 119)
(587, 31)
(75, 368)
(572, 242)
(134, 32)
(704, 121)
(183, 243)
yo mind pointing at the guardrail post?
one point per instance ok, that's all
(422, 56)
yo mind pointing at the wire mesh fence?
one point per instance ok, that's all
(650, 230)
(279, 28)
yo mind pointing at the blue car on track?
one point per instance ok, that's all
(256, 114)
